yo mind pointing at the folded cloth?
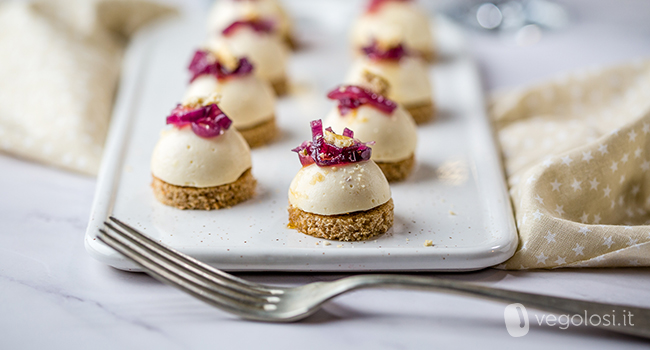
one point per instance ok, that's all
(577, 157)
(59, 67)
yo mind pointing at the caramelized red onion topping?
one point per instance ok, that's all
(324, 153)
(207, 122)
(374, 5)
(258, 25)
(374, 52)
(351, 97)
(204, 62)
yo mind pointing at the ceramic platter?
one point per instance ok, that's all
(456, 197)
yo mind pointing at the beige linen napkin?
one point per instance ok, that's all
(577, 157)
(59, 67)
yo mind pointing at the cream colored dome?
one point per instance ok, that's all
(395, 18)
(395, 135)
(267, 52)
(246, 100)
(182, 158)
(334, 190)
(408, 78)
(224, 12)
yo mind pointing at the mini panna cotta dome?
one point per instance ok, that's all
(254, 39)
(225, 12)
(388, 124)
(339, 189)
(248, 100)
(387, 17)
(407, 75)
(183, 159)
(201, 162)
(339, 193)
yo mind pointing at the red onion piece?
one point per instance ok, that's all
(374, 5)
(200, 64)
(207, 122)
(182, 116)
(204, 62)
(316, 128)
(351, 97)
(324, 154)
(258, 25)
(374, 52)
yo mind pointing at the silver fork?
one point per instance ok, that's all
(280, 304)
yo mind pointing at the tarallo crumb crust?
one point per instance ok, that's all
(291, 42)
(205, 198)
(397, 171)
(430, 56)
(357, 226)
(280, 86)
(422, 113)
(260, 134)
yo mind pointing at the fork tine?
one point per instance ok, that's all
(210, 272)
(176, 278)
(206, 280)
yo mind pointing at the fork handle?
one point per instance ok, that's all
(638, 324)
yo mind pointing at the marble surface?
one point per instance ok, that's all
(53, 295)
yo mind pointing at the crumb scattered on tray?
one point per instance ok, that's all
(428, 243)
(407, 239)
(327, 243)
(339, 246)
(452, 213)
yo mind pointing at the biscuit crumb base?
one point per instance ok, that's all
(357, 226)
(422, 113)
(260, 134)
(280, 86)
(397, 171)
(205, 198)
(429, 55)
(291, 42)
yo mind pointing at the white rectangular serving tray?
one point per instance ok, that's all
(456, 197)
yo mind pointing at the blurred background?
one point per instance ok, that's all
(530, 40)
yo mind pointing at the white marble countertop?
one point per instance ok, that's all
(55, 296)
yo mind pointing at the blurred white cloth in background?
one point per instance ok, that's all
(59, 67)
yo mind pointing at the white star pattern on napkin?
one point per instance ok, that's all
(556, 185)
(578, 249)
(576, 185)
(550, 237)
(585, 161)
